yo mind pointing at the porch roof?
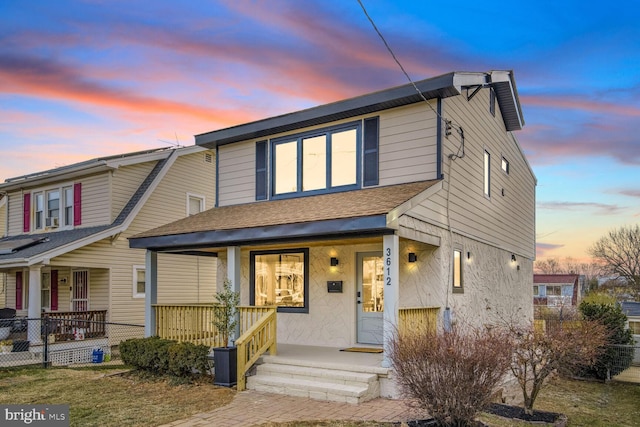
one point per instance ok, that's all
(356, 212)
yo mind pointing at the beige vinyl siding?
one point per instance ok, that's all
(508, 221)
(408, 144)
(95, 200)
(237, 173)
(3, 218)
(14, 205)
(3, 290)
(124, 182)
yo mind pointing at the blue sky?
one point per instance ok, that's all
(81, 79)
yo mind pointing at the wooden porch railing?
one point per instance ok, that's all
(65, 324)
(252, 344)
(194, 322)
(418, 319)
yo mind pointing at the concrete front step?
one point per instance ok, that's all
(321, 383)
(334, 376)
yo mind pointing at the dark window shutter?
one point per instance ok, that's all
(261, 170)
(77, 203)
(370, 161)
(26, 213)
(54, 290)
(19, 290)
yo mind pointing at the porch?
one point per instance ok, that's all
(310, 367)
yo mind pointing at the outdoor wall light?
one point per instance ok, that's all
(513, 258)
(334, 261)
(413, 257)
(468, 255)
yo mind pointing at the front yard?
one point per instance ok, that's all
(99, 396)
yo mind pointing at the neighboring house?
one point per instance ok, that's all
(3, 232)
(556, 290)
(632, 310)
(347, 214)
(66, 248)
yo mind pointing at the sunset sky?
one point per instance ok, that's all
(83, 79)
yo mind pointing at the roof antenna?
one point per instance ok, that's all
(171, 143)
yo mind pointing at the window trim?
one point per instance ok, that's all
(195, 196)
(252, 277)
(457, 289)
(135, 293)
(298, 139)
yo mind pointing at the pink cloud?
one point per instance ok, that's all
(543, 249)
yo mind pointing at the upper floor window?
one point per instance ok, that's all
(195, 204)
(317, 161)
(487, 173)
(505, 165)
(52, 208)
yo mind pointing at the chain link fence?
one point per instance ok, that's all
(623, 362)
(51, 341)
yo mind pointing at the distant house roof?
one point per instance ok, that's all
(446, 85)
(329, 215)
(57, 243)
(631, 308)
(566, 279)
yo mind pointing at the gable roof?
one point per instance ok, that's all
(443, 86)
(334, 214)
(56, 243)
(566, 279)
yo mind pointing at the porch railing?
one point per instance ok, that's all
(71, 325)
(252, 344)
(194, 322)
(418, 318)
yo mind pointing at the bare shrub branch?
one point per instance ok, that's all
(452, 374)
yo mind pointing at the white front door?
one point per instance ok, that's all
(370, 297)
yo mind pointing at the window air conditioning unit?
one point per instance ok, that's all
(51, 222)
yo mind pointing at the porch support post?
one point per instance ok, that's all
(391, 260)
(35, 302)
(150, 292)
(233, 274)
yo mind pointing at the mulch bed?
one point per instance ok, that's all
(517, 412)
(508, 411)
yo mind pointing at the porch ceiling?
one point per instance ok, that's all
(335, 215)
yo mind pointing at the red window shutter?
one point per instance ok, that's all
(19, 290)
(54, 290)
(77, 203)
(26, 213)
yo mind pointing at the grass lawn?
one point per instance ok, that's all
(97, 397)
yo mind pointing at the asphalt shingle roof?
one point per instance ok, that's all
(569, 279)
(348, 204)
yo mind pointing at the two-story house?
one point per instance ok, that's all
(349, 215)
(556, 290)
(66, 251)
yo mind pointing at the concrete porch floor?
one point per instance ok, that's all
(329, 357)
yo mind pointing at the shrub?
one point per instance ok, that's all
(615, 358)
(452, 374)
(186, 358)
(149, 354)
(560, 347)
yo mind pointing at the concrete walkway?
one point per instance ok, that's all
(252, 408)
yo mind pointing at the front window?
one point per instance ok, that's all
(45, 291)
(457, 271)
(317, 161)
(67, 216)
(280, 278)
(139, 281)
(53, 204)
(39, 211)
(634, 327)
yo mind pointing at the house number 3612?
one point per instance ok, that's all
(387, 262)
